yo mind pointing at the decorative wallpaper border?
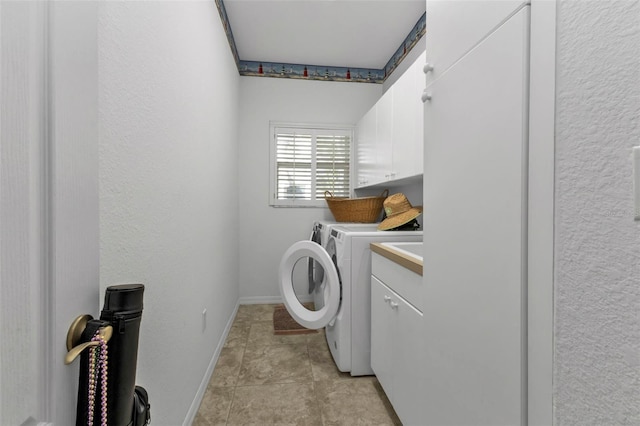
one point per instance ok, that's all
(227, 29)
(310, 72)
(320, 72)
(412, 39)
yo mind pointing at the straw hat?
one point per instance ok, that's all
(399, 211)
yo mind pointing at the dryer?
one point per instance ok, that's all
(315, 272)
(343, 297)
(320, 234)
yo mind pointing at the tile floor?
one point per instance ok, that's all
(264, 379)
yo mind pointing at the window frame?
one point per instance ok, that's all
(273, 160)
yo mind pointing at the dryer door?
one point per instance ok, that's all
(315, 273)
(305, 317)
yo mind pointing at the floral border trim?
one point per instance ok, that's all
(319, 72)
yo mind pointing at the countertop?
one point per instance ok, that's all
(398, 257)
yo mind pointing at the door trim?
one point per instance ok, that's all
(25, 131)
(541, 213)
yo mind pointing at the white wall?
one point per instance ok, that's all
(266, 232)
(597, 267)
(168, 186)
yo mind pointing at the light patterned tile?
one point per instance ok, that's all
(319, 337)
(261, 334)
(250, 313)
(238, 335)
(214, 408)
(323, 367)
(357, 401)
(275, 364)
(263, 379)
(276, 404)
(227, 368)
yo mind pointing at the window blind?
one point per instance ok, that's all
(309, 162)
(295, 165)
(332, 165)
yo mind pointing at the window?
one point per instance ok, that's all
(307, 161)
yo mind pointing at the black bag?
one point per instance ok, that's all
(127, 404)
(141, 408)
(123, 309)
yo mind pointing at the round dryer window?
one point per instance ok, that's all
(302, 315)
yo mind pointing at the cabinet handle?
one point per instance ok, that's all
(427, 68)
(386, 298)
(426, 96)
(393, 305)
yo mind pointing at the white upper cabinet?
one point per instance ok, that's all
(408, 122)
(390, 136)
(384, 137)
(365, 148)
(455, 27)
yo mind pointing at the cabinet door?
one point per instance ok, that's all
(381, 335)
(407, 122)
(408, 353)
(365, 148)
(454, 27)
(418, 148)
(475, 188)
(384, 137)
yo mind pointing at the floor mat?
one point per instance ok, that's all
(284, 324)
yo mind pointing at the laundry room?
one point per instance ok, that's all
(138, 147)
(264, 100)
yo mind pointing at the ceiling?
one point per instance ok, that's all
(337, 33)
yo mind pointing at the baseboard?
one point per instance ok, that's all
(193, 409)
(259, 300)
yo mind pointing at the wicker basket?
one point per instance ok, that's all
(362, 210)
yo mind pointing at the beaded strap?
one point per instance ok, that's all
(98, 362)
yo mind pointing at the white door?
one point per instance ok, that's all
(330, 288)
(49, 202)
(474, 234)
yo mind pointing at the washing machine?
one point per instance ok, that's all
(343, 297)
(320, 234)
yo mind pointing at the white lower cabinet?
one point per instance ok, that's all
(396, 351)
